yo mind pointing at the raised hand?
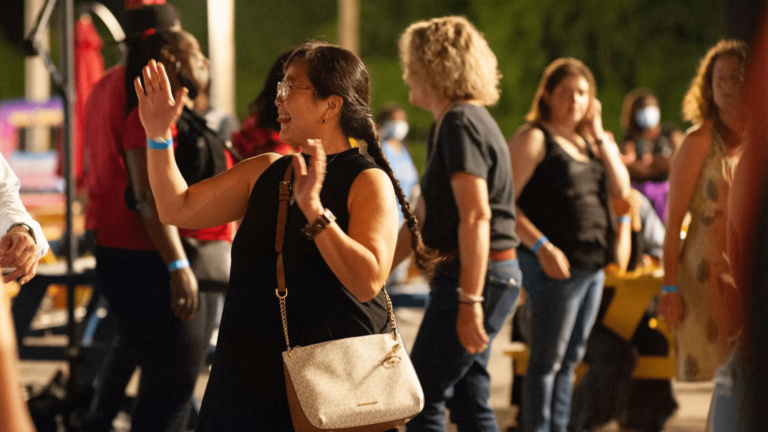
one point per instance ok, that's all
(158, 109)
(594, 120)
(309, 180)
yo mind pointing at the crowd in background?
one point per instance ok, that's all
(548, 212)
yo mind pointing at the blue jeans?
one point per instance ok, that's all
(449, 375)
(735, 383)
(562, 315)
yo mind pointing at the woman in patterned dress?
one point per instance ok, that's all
(698, 293)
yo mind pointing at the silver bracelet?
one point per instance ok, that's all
(465, 295)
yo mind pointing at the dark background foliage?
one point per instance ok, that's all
(643, 43)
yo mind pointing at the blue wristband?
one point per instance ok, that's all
(624, 219)
(543, 239)
(178, 264)
(668, 289)
(159, 143)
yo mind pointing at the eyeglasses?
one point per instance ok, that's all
(284, 88)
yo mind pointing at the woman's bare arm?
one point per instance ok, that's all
(362, 258)
(685, 172)
(527, 150)
(683, 176)
(212, 202)
(404, 248)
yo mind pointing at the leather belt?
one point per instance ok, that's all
(493, 256)
(503, 255)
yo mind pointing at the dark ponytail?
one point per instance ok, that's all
(333, 70)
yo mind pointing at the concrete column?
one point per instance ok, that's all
(221, 48)
(37, 84)
(349, 25)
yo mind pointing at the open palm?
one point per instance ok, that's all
(309, 179)
(158, 109)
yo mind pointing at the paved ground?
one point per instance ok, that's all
(693, 398)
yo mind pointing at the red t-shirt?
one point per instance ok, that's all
(108, 135)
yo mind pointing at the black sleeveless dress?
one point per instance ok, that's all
(246, 388)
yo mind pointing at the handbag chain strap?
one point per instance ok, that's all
(281, 291)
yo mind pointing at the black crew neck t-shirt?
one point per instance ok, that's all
(469, 141)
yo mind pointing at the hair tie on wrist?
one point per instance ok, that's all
(668, 289)
(624, 219)
(178, 264)
(159, 143)
(540, 242)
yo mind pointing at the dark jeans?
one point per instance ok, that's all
(169, 351)
(563, 312)
(449, 375)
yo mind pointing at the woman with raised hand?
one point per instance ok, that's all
(699, 301)
(344, 201)
(567, 172)
(469, 219)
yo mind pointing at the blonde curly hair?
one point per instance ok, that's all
(452, 58)
(699, 101)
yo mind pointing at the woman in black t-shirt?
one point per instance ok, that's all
(467, 207)
(566, 170)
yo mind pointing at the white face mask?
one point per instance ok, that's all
(648, 117)
(396, 130)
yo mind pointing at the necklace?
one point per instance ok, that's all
(333, 158)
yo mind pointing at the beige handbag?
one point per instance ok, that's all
(358, 384)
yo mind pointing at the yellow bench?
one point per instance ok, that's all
(632, 294)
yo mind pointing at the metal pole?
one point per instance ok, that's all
(67, 24)
(349, 25)
(221, 49)
(38, 80)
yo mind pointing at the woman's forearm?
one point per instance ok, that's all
(168, 186)
(526, 230)
(618, 176)
(672, 250)
(353, 264)
(13, 410)
(474, 246)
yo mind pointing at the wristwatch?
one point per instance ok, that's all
(322, 222)
(29, 230)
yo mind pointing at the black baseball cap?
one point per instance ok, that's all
(157, 16)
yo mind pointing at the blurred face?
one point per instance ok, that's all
(194, 65)
(569, 101)
(418, 94)
(726, 83)
(299, 113)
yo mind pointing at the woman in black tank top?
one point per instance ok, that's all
(335, 275)
(563, 185)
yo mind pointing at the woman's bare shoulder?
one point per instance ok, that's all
(527, 134)
(701, 130)
(252, 168)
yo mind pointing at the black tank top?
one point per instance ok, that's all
(567, 200)
(246, 389)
